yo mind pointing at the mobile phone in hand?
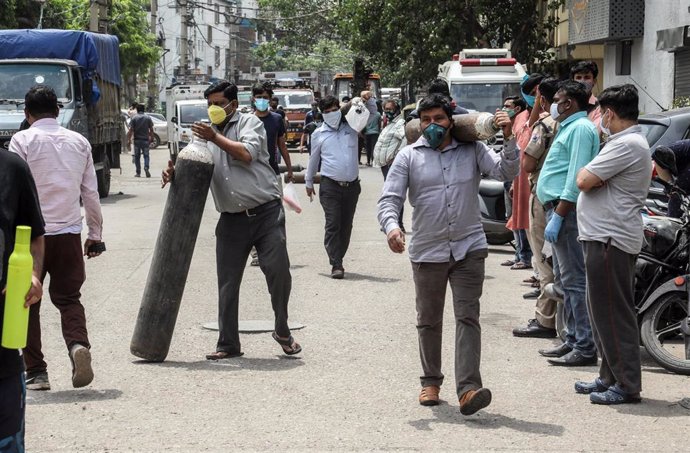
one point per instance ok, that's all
(98, 247)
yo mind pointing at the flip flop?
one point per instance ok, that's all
(290, 346)
(520, 266)
(219, 355)
(508, 263)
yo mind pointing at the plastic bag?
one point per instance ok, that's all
(290, 199)
(358, 115)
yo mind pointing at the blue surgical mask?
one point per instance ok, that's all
(510, 112)
(529, 99)
(261, 104)
(390, 116)
(434, 134)
(333, 118)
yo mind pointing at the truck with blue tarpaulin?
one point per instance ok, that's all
(84, 70)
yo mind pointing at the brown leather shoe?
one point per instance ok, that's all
(429, 395)
(474, 400)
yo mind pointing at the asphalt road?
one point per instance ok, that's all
(355, 385)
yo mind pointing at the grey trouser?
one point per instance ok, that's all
(235, 236)
(466, 279)
(611, 305)
(545, 309)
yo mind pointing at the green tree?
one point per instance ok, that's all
(323, 55)
(406, 40)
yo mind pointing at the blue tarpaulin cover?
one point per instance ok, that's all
(94, 52)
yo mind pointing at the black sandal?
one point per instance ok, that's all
(290, 346)
(220, 355)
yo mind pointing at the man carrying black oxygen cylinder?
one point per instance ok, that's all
(247, 195)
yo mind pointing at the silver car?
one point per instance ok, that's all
(160, 129)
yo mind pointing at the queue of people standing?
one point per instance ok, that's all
(588, 169)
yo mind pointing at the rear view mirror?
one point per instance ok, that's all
(173, 120)
(664, 157)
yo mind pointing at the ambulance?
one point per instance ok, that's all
(480, 79)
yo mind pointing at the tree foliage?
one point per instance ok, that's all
(406, 40)
(128, 22)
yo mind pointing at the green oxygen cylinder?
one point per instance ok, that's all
(16, 320)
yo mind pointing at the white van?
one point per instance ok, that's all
(185, 104)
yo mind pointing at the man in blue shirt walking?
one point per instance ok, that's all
(575, 145)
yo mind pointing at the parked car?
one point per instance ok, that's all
(664, 128)
(160, 129)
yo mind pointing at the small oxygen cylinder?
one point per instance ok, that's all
(469, 127)
(15, 323)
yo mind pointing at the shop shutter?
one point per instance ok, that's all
(682, 74)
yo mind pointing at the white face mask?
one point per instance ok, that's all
(333, 118)
(604, 129)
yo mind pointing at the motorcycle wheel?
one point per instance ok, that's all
(560, 321)
(661, 335)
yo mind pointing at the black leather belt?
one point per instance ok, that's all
(342, 183)
(257, 210)
(551, 205)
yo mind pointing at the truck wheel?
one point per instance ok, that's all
(156, 141)
(103, 178)
(661, 333)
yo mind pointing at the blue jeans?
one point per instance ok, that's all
(523, 251)
(569, 274)
(139, 148)
(13, 397)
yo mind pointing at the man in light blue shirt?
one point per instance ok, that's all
(575, 145)
(334, 146)
(441, 177)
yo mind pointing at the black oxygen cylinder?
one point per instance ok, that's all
(172, 255)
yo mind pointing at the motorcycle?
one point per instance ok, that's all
(493, 210)
(662, 283)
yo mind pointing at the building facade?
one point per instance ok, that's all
(645, 42)
(205, 40)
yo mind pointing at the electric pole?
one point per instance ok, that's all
(184, 42)
(153, 86)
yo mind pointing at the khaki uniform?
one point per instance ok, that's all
(543, 133)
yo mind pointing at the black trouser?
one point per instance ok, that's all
(236, 234)
(371, 140)
(339, 204)
(611, 305)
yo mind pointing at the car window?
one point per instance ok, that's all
(653, 132)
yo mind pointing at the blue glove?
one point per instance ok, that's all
(553, 227)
